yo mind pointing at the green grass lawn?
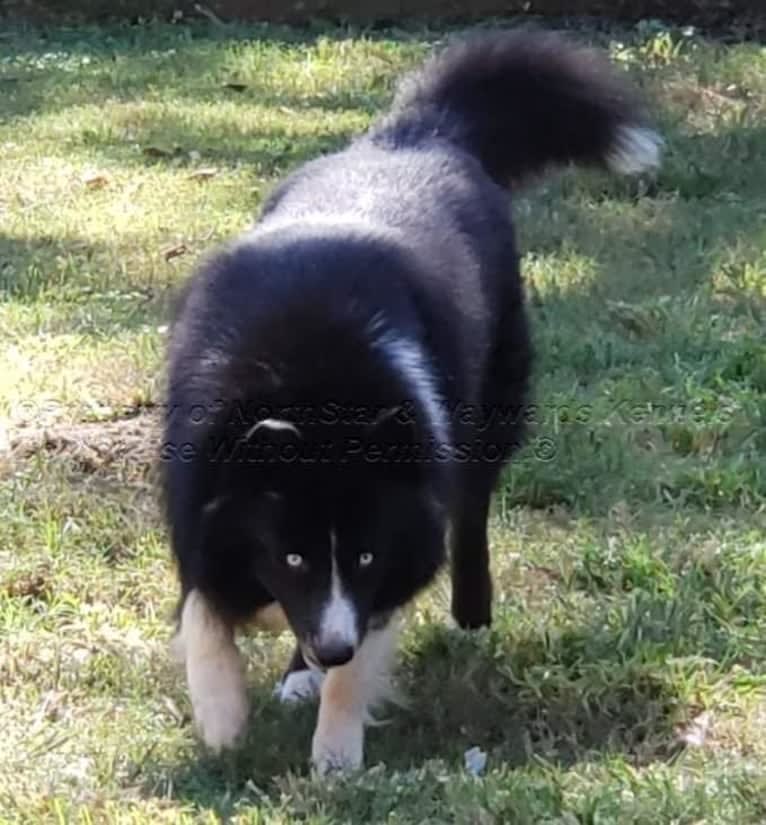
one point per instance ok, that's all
(624, 680)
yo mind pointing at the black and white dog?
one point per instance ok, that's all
(333, 371)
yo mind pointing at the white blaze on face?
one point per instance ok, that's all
(338, 623)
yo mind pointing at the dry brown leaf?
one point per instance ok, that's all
(95, 181)
(174, 251)
(32, 585)
(204, 174)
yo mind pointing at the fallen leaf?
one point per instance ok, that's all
(174, 251)
(34, 585)
(204, 174)
(95, 181)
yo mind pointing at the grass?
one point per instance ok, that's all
(624, 679)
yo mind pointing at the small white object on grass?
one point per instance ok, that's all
(636, 149)
(475, 760)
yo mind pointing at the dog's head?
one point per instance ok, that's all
(337, 544)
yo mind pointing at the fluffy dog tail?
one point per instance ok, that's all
(521, 102)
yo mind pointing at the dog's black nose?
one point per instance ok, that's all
(334, 653)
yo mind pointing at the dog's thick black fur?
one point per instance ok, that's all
(335, 374)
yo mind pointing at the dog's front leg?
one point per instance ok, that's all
(214, 671)
(348, 695)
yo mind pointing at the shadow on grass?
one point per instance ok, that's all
(29, 266)
(124, 38)
(653, 310)
(496, 697)
(77, 276)
(462, 691)
(196, 62)
(171, 138)
(193, 62)
(614, 677)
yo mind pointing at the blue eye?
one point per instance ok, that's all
(365, 559)
(294, 560)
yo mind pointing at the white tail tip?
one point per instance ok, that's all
(636, 149)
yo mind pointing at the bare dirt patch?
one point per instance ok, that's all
(126, 446)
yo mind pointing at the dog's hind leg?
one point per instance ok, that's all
(349, 693)
(214, 671)
(471, 577)
(300, 682)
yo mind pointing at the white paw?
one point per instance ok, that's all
(338, 747)
(220, 713)
(299, 686)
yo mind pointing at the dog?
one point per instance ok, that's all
(332, 373)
